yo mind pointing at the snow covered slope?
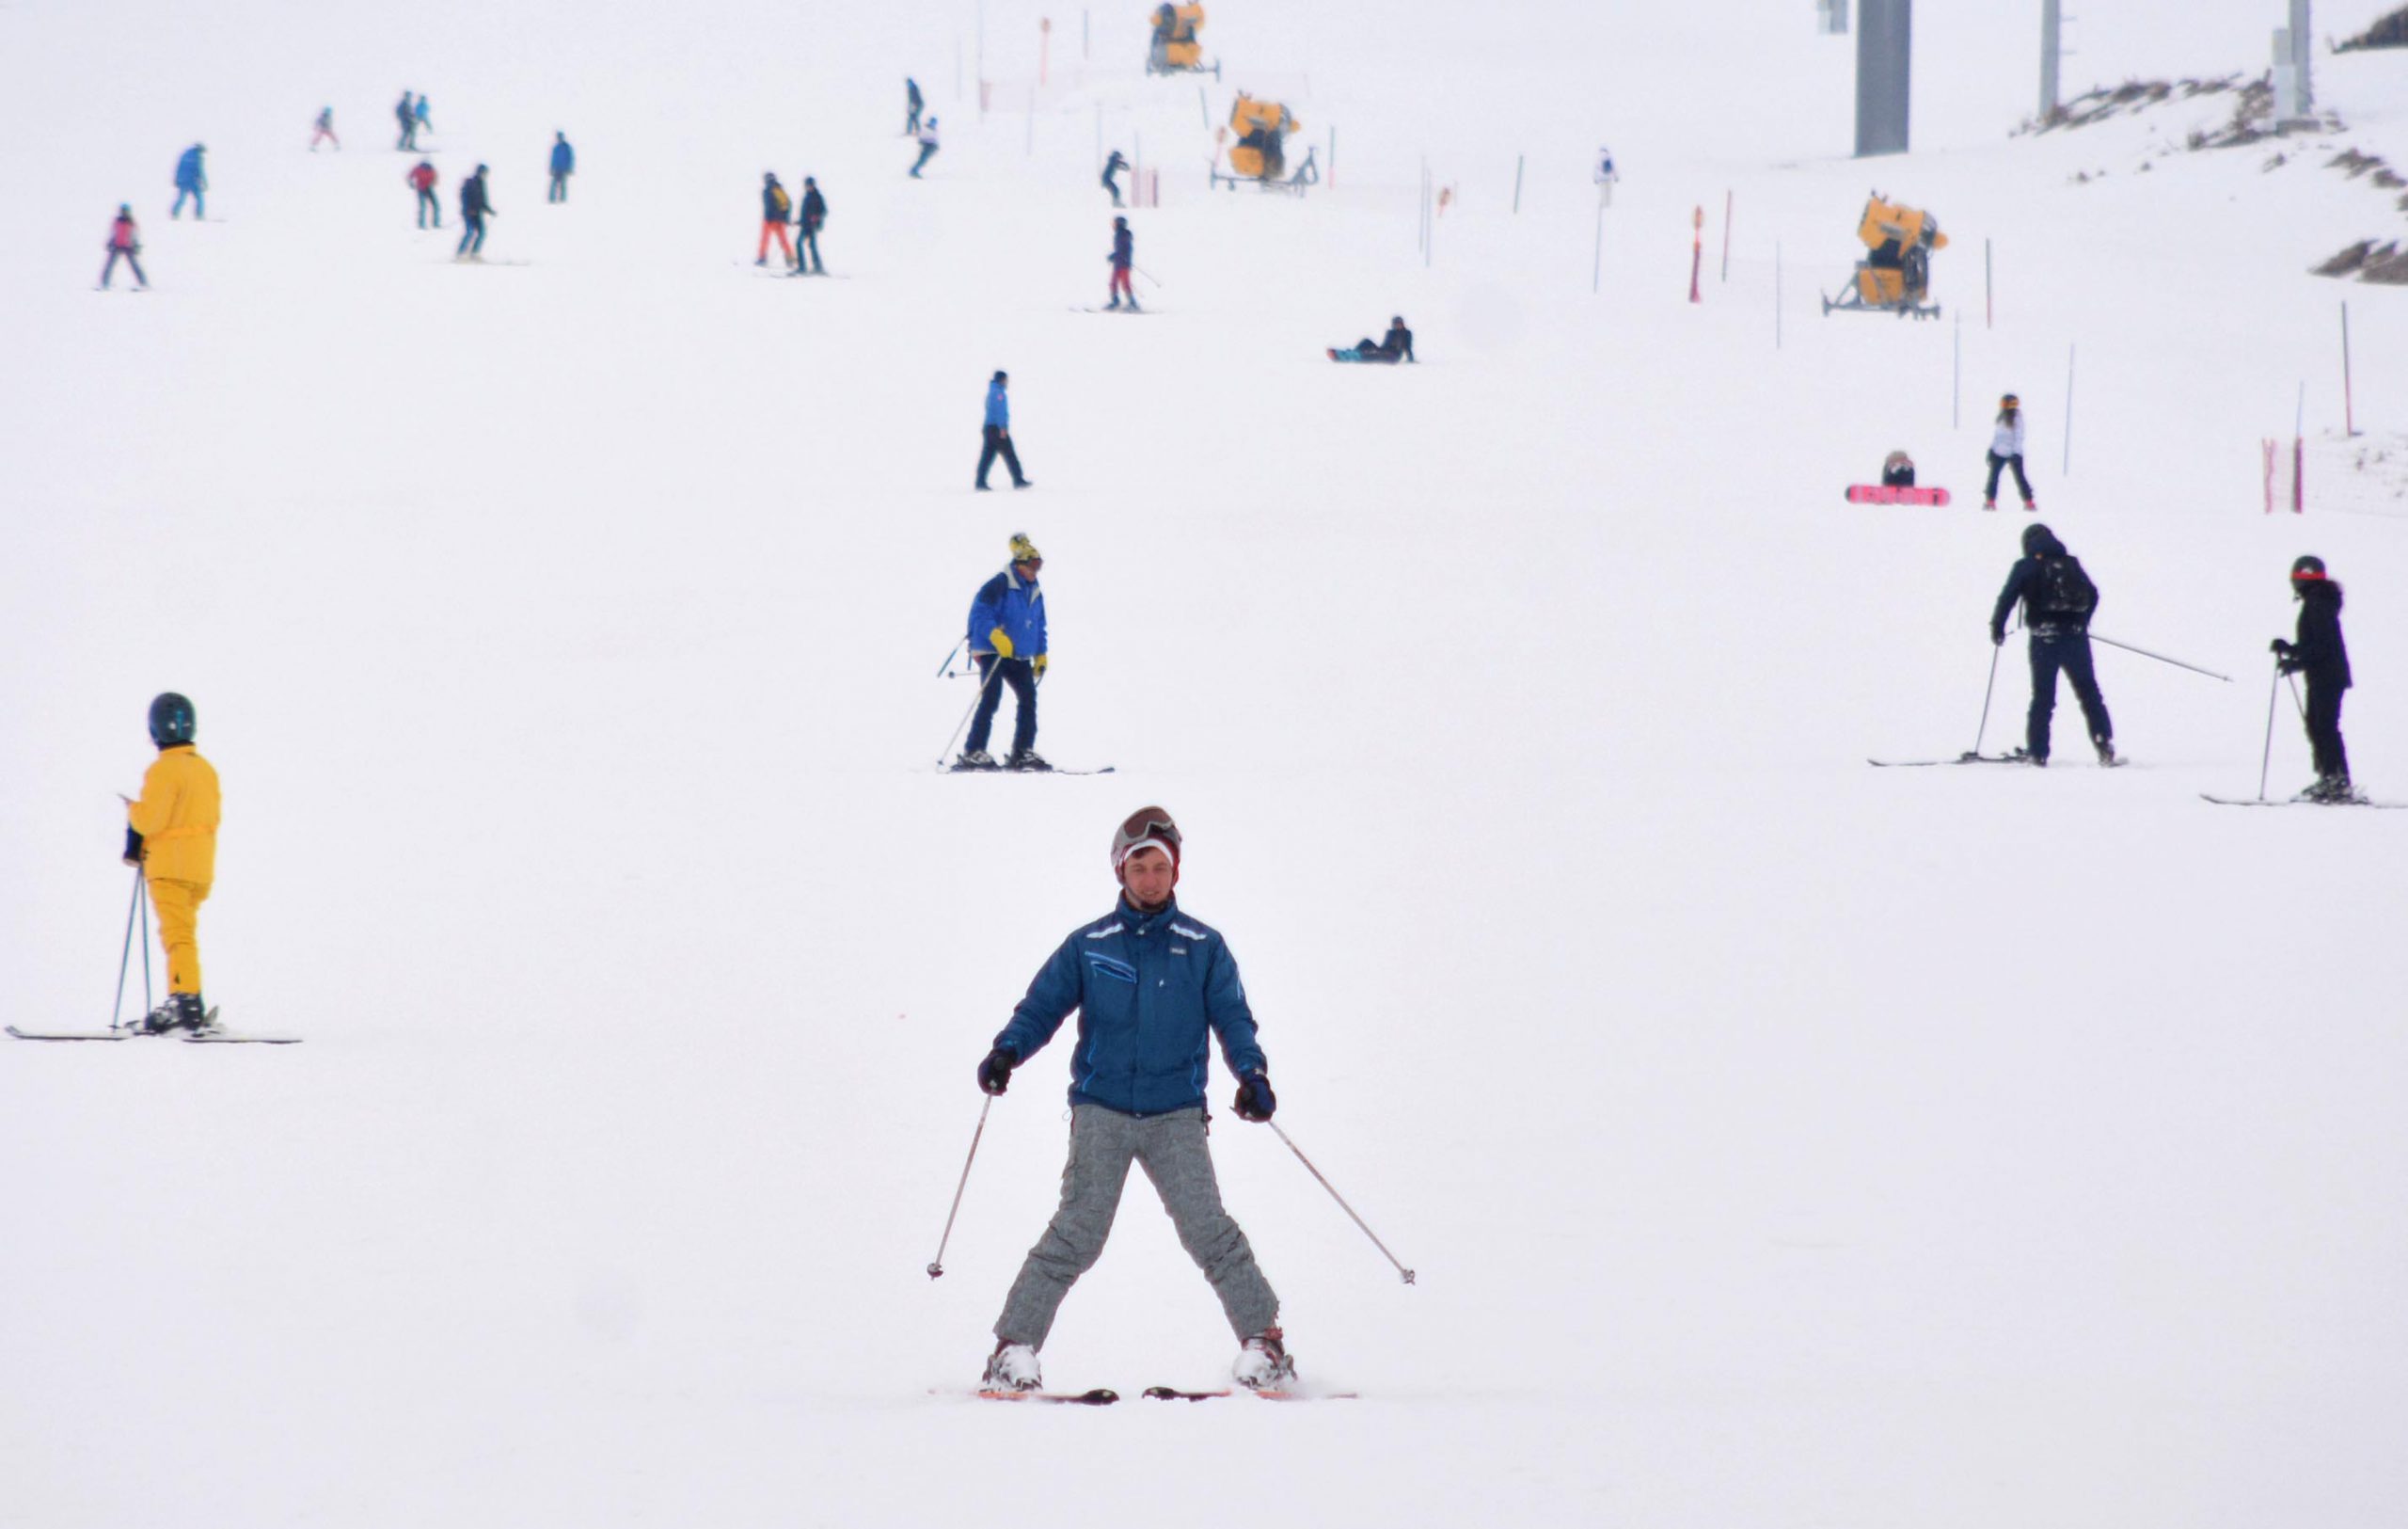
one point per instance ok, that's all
(1779, 1141)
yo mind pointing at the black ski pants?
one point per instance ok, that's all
(999, 443)
(2068, 651)
(2324, 729)
(1021, 675)
(1997, 462)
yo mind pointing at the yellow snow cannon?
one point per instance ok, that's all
(1174, 49)
(1896, 276)
(1259, 154)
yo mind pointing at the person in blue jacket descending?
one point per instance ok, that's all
(564, 165)
(997, 433)
(1007, 643)
(1152, 985)
(192, 181)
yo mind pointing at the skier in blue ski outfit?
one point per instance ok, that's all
(192, 181)
(1007, 643)
(564, 165)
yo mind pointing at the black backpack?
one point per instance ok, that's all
(2063, 590)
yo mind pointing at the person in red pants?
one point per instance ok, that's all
(775, 204)
(1124, 255)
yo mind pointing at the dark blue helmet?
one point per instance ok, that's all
(171, 720)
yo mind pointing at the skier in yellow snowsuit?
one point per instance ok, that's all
(171, 832)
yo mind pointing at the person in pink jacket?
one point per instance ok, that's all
(125, 243)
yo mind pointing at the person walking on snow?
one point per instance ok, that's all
(927, 147)
(421, 179)
(1153, 986)
(2058, 598)
(1112, 169)
(125, 244)
(475, 207)
(171, 832)
(564, 165)
(419, 120)
(774, 207)
(192, 179)
(1007, 643)
(326, 130)
(408, 118)
(998, 433)
(813, 212)
(1124, 255)
(2006, 450)
(2321, 654)
(910, 108)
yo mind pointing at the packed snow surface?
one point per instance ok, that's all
(1779, 1141)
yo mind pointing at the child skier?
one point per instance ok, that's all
(1152, 985)
(1007, 643)
(927, 147)
(2058, 598)
(2006, 450)
(564, 165)
(192, 179)
(2320, 654)
(125, 244)
(171, 832)
(421, 179)
(774, 206)
(324, 130)
(1123, 256)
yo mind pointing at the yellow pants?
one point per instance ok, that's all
(179, 906)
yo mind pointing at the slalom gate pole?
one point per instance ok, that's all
(1996, 648)
(2160, 657)
(1341, 1202)
(125, 958)
(992, 670)
(2265, 761)
(936, 1265)
(945, 669)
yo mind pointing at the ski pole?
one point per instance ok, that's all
(936, 1265)
(2295, 700)
(125, 958)
(142, 896)
(1996, 648)
(973, 705)
(1148, 275)
(944, 670)
(2266, 762)
(2160, 657)
(1341, 1200)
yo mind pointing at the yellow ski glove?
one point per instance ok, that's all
(1003, 644)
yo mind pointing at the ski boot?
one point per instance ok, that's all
(2032, 505)
(1012, 1367)
(2330, 790)
(1027, 759)
(2106, 748)
(1262, 1362)
(976, 759)
(1988, 503)
(181, 1012)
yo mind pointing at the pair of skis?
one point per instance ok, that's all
(1102, 1397)
(208, 1035)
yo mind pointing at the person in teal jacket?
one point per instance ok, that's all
(1154, 985)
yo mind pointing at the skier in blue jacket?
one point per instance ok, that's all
(1152, 985)
(192, 181)
(1007, 643)
(998, 433)
(564, 165)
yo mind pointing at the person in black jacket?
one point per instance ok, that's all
(2325, 659)
(1124, 255)
(474, 209)
(813, 212)
(2058, 598)
(1111, 167)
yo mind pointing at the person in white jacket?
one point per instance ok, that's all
(927, 147)
(2006, 450)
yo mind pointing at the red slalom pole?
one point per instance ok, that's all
(1697, 253)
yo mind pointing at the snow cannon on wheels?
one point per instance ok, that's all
(1897, 277)
(1260, 155)
(1174, 49)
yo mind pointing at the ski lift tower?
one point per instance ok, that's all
(1884, 58)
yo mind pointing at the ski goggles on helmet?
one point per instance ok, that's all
(1146, 827)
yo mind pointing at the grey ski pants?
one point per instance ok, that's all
(1172, 1151)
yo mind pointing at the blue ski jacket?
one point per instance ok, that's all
(999, 408)
(1151, 989)
(564, 158)
(1015, 604)
(188, 170)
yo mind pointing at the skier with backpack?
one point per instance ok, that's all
(171, 832)
(475, 207)
(1007, 639)
(775, 204)
(1154, 985)
(2321, 654)
(2058, 598)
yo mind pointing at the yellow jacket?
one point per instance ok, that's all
(178, 817)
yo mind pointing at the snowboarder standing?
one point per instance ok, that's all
(927, 147)
(910, 108)
(998, 433)
(1007, 643)
(475, 207)
(2006, 450)
(2321, 654)
(421, 179)
(324, 131)
(171, 832)
(1123, 256)
(403, 114)
(125, 244)
(564, 165)
(1152, 985)
(813, 212)
(2058, 598)
(1112, 169)
(774, 207)
(192, 179)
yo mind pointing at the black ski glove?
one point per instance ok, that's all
(995, 1073)
(1255, 1100)
(1998, 638)
(2280, 648)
